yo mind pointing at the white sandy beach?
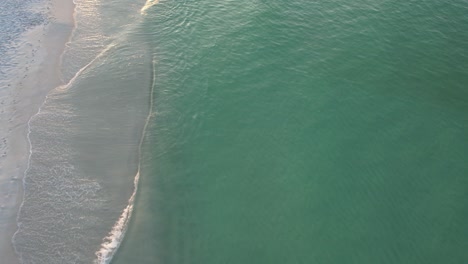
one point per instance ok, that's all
(38, 73)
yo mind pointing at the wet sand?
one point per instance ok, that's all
(38, 74)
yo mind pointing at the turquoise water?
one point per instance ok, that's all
(279, 132)
(305, 132)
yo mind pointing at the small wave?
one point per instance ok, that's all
(115, 237)
(112, 241)
(80, 71)
(149, 3)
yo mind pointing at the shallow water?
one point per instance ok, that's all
(84, 144)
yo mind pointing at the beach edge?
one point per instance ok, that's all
(42, 76)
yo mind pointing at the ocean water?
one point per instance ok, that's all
(305, 132)
(256, 132)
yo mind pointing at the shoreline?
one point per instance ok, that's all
(45, 45)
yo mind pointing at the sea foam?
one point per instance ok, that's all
(148, 4)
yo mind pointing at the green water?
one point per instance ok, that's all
(305, 132)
